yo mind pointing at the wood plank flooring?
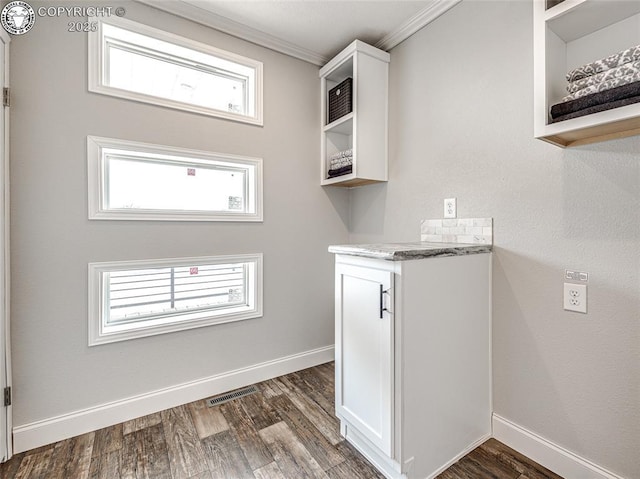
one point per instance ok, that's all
(285, 431)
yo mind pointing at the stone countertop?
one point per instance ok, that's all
(408, 251)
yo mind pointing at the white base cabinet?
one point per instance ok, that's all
(365, 388)
(413, 359)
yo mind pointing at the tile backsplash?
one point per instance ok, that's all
(457, 230)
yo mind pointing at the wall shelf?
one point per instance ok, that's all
(343, 125)
(364, 129)
(571, 34)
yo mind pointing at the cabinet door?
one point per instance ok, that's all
(364, 352)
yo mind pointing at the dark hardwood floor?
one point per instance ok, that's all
(285, 431)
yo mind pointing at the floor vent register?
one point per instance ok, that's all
(226, 397)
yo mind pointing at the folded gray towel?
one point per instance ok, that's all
(618, 72)
(604, 97)
(340, 171)
(612, 61)
(598, 108)
(605, 85)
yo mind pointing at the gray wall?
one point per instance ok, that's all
(54, 370)
(461, 126)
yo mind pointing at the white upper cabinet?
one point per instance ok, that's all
(566, 36)
(357, 136)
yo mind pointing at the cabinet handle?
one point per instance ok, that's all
(382, 308)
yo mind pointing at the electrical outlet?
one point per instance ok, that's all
(450, 208)
(575, 297)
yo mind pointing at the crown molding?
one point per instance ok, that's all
(190, 11)
(206, 17)
(415, 23)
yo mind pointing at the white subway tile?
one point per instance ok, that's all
(465, 239)
(482, 221)
(458, 230)
(431, 238)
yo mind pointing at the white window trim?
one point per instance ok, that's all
(97, 85)
(96, 183)
(98, 334)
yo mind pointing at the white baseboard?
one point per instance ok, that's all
(544, 452)
(47, 431)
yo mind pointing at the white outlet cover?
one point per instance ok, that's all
(575, 297)
(450, 208)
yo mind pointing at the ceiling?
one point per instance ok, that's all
(312, 30)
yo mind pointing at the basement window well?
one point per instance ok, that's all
(133, 299)
(137, 62)
(139, 181)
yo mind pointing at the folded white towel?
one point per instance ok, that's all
(342, 154)
(340, 162)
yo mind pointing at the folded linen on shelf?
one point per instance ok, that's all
(333, 164)
(340, 159)
(612, 61)
(605, 85)
(618, 72)
(345, 170)
(618, 93)
(607, 97)
(342, 154)
(598, 108)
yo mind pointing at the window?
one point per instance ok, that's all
(137, 62)
(139, 181)
(132, 299)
